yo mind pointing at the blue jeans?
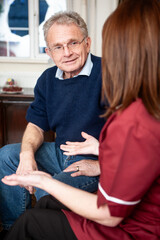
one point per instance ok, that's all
(14, 199)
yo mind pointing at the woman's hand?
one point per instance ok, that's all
(34, 179)
(89, 146)
(84, 167)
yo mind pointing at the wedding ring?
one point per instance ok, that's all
(77, 168)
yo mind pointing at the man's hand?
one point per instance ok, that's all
(84, 167)
(89, 146)
(31, 141)
(27, 165)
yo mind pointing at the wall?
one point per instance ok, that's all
(26, 73)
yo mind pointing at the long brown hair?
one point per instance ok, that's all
(131, 56)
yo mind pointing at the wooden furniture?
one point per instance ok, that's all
(13, 109)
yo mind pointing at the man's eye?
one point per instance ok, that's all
(57, 47)
(74, 43)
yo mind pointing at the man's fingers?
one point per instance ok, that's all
(67, 153)
(72, 168)
(76, 174)
(31, 190)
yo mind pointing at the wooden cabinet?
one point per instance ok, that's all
(13, 109)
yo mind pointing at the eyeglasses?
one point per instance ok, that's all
(73, 45)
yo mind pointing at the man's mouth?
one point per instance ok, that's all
(70, 61)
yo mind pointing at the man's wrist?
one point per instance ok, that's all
(29, 154)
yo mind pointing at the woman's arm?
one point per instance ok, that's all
(79, 201)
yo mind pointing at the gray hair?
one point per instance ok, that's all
(65, 18)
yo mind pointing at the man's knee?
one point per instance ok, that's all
(10, 149)
(9, 156)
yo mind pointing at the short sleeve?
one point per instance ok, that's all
(129, 164)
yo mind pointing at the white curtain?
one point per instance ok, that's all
(94, 12)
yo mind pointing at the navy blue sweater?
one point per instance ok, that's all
(68, 106)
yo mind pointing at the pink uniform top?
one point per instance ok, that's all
(129, 183)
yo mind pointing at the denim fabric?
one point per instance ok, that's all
(49, 158)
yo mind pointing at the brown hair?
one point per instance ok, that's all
(131, 56)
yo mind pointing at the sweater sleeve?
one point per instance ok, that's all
(36, 112)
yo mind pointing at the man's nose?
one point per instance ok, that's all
(66, 50)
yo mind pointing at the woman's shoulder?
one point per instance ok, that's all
(137, 113)
(134, 118)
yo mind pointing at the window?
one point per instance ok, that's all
(21, 27)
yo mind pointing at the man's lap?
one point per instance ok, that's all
(50, 159)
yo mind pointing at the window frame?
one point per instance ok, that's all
(34, 32)
(34, 55)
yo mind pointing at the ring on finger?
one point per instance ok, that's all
(77, 168)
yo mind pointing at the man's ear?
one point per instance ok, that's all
(48, 52)
(88, 42)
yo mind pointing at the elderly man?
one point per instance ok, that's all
(67, 101)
